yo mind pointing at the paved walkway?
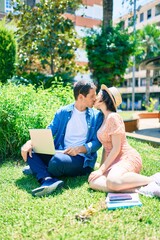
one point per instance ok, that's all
(149, 131)
(149, 127)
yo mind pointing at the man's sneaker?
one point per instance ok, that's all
(27, 171)
(47, 187)
(156, 178)
(151, 190)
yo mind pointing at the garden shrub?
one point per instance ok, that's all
(23, 107)
(7, 53)
(40, 79)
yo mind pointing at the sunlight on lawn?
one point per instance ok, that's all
(127, 114)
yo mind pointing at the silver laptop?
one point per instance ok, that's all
(42, 141)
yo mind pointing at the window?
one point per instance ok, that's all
(122, 24)
(70, 10)
(157, 10)
(124, 84)
(149, 14)
(130, 82)
(130, 21)
(141, 17)
(136, 82)
(143, 82)
(8, 7)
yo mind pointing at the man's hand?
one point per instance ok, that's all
(74, 151)
(25, 149)
(95, 174)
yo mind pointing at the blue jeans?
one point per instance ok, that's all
(43, 165)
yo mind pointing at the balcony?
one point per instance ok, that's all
(128, 90)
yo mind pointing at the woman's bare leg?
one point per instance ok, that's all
(99, 184)
(119, 179)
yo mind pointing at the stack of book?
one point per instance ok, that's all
(122, 200)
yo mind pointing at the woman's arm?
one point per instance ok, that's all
(107, 161)
(103, 156)
(116, 143)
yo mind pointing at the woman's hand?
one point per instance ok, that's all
(25, 149)
(96, 174)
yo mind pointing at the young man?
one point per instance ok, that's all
(74, 129)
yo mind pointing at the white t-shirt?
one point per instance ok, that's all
(76, 130)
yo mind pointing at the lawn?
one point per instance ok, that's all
(55, 217)
(127, 114)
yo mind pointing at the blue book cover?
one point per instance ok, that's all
(122, 200)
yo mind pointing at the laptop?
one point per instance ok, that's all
(42, 141)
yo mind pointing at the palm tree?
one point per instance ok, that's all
(107, 12)
(149, 42)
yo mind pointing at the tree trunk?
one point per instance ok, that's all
(107, 12)
(52, 65)
(147, 86)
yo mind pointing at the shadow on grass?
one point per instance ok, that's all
(28, 183)
(74, 182)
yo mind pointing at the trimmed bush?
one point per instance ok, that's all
(7, 53)
(23, 107)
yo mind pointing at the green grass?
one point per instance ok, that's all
(23, 217)
(127, 114)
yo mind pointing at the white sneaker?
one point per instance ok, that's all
(156, 178)
(151, 190)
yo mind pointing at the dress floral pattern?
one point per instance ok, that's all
(128, 157)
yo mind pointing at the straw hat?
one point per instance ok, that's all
(114, 94)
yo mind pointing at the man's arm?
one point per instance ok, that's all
(54, 123)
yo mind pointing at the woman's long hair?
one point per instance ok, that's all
(108, 101)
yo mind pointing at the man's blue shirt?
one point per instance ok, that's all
(94, 120)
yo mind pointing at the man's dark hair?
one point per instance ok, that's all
(83, 87)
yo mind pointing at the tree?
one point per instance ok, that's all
(109, 51)
(7, 52)
(148, 45)
(46, 39)
(108, 54)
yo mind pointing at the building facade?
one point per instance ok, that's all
(148, 13)
(5, 6)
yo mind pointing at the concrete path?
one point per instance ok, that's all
(149, 131)
(149, 127)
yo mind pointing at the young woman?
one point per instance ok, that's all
(121, 164)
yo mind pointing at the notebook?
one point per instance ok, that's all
(119, 196)
(122, 200)
(42, 141)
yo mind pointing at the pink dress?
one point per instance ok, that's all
(128, 157)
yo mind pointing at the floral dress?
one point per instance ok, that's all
(128, 157)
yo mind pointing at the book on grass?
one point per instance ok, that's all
(122, 200)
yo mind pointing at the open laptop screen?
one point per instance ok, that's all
(42, 141)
